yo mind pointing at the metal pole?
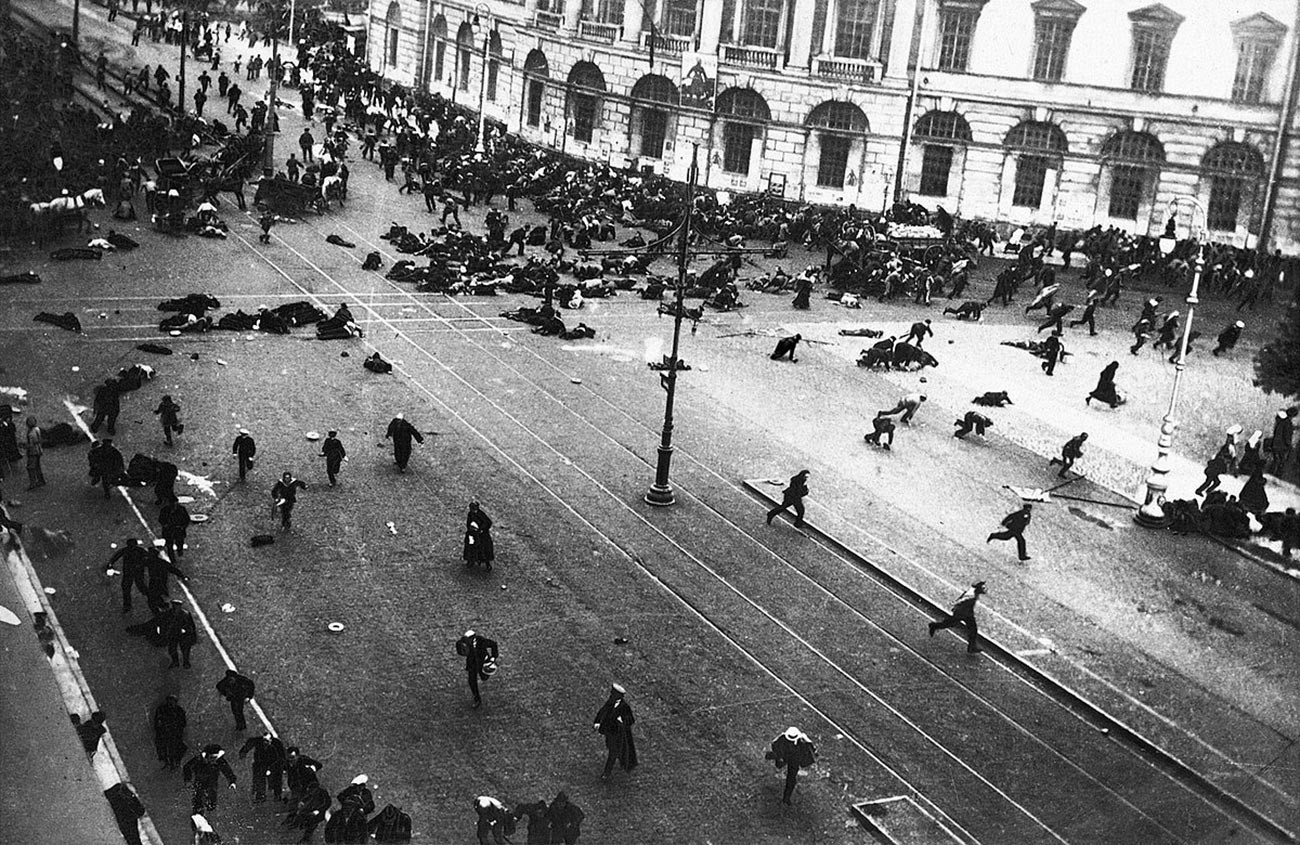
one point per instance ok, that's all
(482, 90)
(293, 8)
(910, 105)
(270, 130)
(660, 493)
(1152, 513)
(1280, 143)
(180, 81)
(76, 25)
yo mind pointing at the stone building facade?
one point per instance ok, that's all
(1025, 111)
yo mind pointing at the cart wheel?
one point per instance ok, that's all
(932, 255)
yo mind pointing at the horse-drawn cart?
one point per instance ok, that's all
(290, 199)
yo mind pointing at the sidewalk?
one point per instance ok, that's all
(51, 795)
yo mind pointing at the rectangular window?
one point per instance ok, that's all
(1051, 45)
(1253, 62)
(956, 29)
(464, 68)
(833, 160)
(439, 59)
(654, 128)
(1126, 185)
(584, 117)
(1225, 203)
(1150, 56)
(936, 164)
(392, 47)
(493, 69)
(762, 23)
(555, 7)
(737, 139)
(1031, 175)
(603, 11)
(679, 18)
(854, 22)
(536, 88)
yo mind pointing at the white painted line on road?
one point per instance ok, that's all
(1033, 652)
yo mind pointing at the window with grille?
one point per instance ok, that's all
(1031, 176)
(943, 125)
(737, 140)
(936, 165)
(1150, 56)
(956, 29)
(1126, 187)
(1225, 202)
(654, 128)
(833, 160)
(536, 90)
(584, 116)
(1051, 45)
(854, 22)
(555, 7)
(762, 23)
(679, 17)
(1254, 58)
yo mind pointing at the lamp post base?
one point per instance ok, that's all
(660, 496)
(1151, 515)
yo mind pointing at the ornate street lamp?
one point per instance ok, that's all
(482, 12)
(1152, 513)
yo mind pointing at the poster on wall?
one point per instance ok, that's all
(699, 80)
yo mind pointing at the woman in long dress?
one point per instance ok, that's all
(478, 538)
(1105, 390)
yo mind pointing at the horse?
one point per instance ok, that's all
(331, 188)
(53, 214)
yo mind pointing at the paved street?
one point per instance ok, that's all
(723, 630)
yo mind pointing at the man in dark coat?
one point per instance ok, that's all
(792, 497)
(310, 810)
(135, 563)
(299, 773)
(1282, 444)
(333, 452)
(285, 495)
(237, 689)
(1089, 316)
(1070, 452)
(476, 650)
(107, 405)
(158, 569)
(203, 770)
(963, 613)
(169, 731)
(614, 720)
(793, 750)
(176, 626)
(918, 332)
(565, 819)
(1227, 339)
(174, 519)
(785, 348)
(401, 433)
(169, 415)
(972, 421)
(108, 465)
(268, 765)
(244, 450)
(1052, 350)
(1013, 528)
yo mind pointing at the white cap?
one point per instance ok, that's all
(1239, 324)
(361, 779)
(792, 733)
(618, 688)
(401, 416)
(470, 632)
(243, 431)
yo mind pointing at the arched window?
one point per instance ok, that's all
(940, 133)
(1233, 169)
(744, 115)
(837, 125)
(653, 98)
(536, 71)
(392, 26)
(464, 50)
(439, 46)
(493, 65)
(1039, 147)
(1134, 160)
(586, 87)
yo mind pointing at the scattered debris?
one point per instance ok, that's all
(335, 627)
(227, 608)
